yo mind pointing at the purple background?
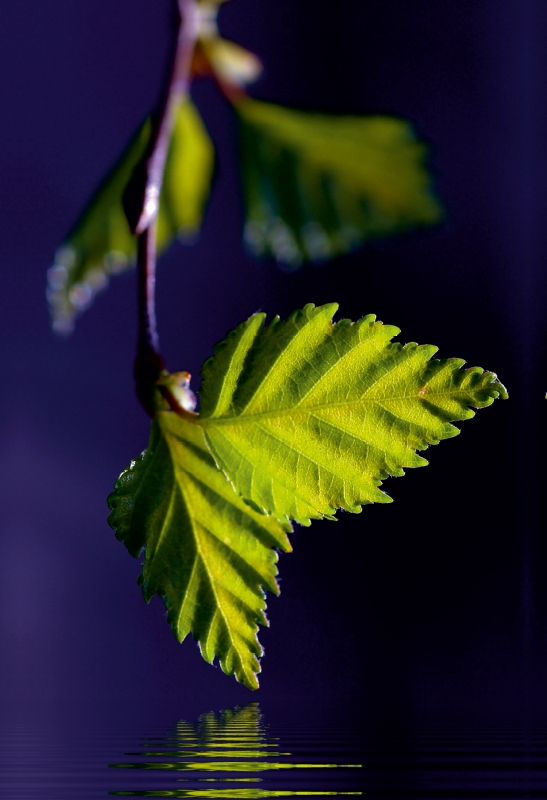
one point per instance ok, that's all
(432, 608)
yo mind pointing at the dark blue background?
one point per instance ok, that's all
(432, 608)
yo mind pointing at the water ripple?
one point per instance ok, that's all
(237, 755)
(218, 748)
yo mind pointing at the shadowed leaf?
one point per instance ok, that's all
(317, 185)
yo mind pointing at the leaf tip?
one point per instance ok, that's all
(498, 386)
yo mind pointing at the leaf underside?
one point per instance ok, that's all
(306, 416)
(318, 185)
(101, 243)
(208, 554)
(298, 418)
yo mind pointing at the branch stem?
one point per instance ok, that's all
(145, 189)
(146, 260)
(177, 87)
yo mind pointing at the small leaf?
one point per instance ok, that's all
(101, 243)
(306, 416)
(208, 554)
(233, 65)
(317, 185)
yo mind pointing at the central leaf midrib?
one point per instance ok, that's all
(245, 419)
(199, 554)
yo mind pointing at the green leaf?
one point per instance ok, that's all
(101, 243)
(317, 185)
(208, 554)
(188, 175)
(306, 416)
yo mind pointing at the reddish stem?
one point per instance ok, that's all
(146, 260)
(145, 188)
(177, 87)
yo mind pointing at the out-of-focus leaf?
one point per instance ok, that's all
(101, 243)
(188, 175)
(317, 185)
(306, 416)
(208, 554)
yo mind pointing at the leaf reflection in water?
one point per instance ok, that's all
(235, 741)
(229, 794)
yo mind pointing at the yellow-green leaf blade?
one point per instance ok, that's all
(319, 414)
(208, 554)
(101, 244)
(318, 185)
(188, 176)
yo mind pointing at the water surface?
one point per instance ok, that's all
(237, 753)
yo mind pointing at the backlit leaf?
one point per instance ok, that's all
(306, 416)
(188, 176)
(101, 243)
(207, 553)
(318, 185)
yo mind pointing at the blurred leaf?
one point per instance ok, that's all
(101, 243)
(317, 185)
(208, 554)
(188, 176)
(306, 416)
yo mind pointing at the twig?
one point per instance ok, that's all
(141, 202)
(146, 258)
(177, 87)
